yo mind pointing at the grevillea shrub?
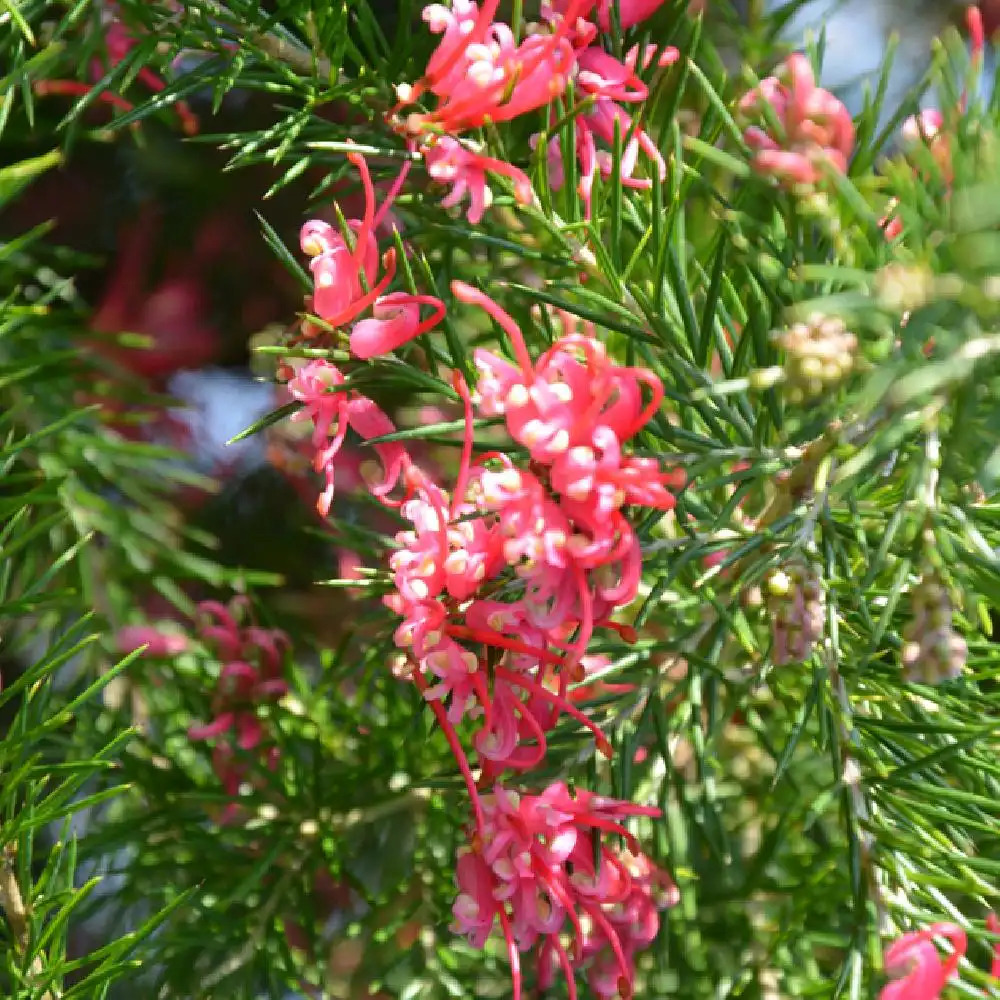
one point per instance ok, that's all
(605, 608)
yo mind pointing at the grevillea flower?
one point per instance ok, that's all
(608, 83)
(449, 161)
(346, 280)
(557, 532)
(251, 673)
(480, 75)
(537, 867)
(915, 966)
(814, 127)
(574, 397)
(333, 410)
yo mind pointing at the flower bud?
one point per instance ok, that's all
(933, 651)
(797, 609)
(819, 354)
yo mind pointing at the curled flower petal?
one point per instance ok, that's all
(395, 321)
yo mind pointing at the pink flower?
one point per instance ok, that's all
(915, 965)
(606, 81)
(532, 870)
(479, 74)
(338, 269)
(251, 673)
(568, 398)
(815, 127)
(333, 411)
(395, 321)
(446, 552)
(450, 162)
(346, 282)
(569, 546)
(157, 642)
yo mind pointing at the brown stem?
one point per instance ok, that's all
(300, 59)
(12, 904)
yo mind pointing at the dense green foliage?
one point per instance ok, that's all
(813, 809)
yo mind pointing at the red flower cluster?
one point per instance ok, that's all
(333, 408)
(552, 538)
(501, 583)
(535, 868)
(480, 74)
(555, 541)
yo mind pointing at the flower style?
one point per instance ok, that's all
(915, 964)
(319, 386)
(814, 128)
(346, 282)
(532, 869)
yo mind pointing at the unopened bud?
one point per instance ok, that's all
(819, 354)
(902, 288)
(797, 608)
(933, 651)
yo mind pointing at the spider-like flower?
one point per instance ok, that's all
(346, 280)
(478, 72)
(608, 84)
(251, 673)
(915, 965)
(537, 866)
(449, 161)
(318, 386)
